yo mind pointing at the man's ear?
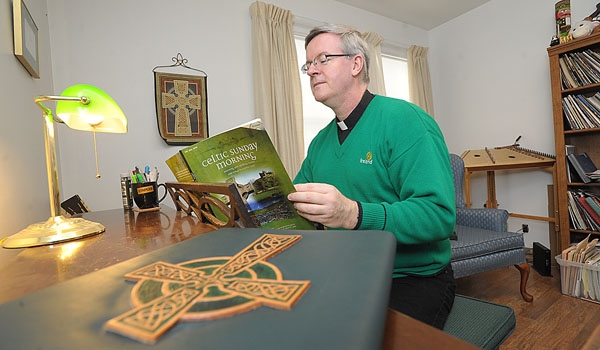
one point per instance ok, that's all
(358, 63)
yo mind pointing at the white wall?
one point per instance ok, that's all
(491, 84)
(115, 44)
(24, 196)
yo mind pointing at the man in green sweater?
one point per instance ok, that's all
(381, 164)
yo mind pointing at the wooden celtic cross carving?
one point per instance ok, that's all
(206, 289)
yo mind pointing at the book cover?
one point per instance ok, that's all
(588, 209)
(593, 204)
(586, 162)
(246, 156)
(572, 158)
(179, 168)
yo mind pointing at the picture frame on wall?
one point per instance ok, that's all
(181, 102)
(26, 40)
(181, 108)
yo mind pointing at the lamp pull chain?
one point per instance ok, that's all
(96, 154)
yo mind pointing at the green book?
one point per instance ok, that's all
(246, 156)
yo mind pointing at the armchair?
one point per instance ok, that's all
(483, 243)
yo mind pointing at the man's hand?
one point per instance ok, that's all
(324, 204)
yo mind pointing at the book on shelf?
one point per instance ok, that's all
(583, 165)
(570, 149)
(579, 68)
(246, 157)
(584, 210)
(581, 76)
(565, 72)
(586, 163)
(574, 212)
(582, 112)
(595, 101)
(589, 110)
(589, 67)
(591, 215)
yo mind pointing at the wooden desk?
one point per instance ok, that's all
(128, 234)
(355, 301)
(403, 332)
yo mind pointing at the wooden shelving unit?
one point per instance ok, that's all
(585, 140)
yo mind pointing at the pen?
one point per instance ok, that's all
(153, 174)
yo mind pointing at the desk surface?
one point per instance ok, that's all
(345, 306)
(128, 234)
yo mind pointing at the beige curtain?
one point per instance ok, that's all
(277, 89)
(419, 81)
(377, 84)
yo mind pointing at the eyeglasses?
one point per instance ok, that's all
(321, 59)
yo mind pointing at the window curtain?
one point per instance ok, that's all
(377, 84)
(277, 89)
(419, 81)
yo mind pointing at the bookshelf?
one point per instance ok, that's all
(575, 123)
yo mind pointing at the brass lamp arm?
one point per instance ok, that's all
(47, 111)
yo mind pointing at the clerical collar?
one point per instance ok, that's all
(346, 125)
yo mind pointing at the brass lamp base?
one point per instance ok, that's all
(55, 230)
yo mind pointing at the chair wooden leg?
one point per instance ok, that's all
(524, 270)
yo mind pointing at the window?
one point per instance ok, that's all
(317, 115)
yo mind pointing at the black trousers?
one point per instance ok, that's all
(428, 299)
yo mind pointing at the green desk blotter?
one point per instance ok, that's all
(344, 307)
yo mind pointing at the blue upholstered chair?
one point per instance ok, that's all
(483, 242)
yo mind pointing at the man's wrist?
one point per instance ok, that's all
(358, 215)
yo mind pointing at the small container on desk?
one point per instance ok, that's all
(126, 191)
(580, 280)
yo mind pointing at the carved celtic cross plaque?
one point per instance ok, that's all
(206, 289)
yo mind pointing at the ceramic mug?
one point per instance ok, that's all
(145, 194)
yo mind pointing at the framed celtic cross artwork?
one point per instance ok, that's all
(181, 106)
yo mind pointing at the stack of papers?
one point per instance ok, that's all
(594, 176)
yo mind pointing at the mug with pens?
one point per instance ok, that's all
(144, 189)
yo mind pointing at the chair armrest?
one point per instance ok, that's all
(485, 218)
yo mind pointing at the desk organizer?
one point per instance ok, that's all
(580, 280)
(219, 204)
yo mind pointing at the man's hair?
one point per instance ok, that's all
(351, 43)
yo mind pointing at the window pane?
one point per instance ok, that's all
(395, 72)
(316, 114)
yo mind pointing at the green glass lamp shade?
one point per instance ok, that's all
(100, 114)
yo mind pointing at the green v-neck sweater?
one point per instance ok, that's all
(396, 164)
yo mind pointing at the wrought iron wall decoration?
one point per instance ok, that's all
(181, 103)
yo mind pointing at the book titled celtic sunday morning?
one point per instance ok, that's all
(244, 156)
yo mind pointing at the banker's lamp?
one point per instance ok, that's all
(81, 107)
